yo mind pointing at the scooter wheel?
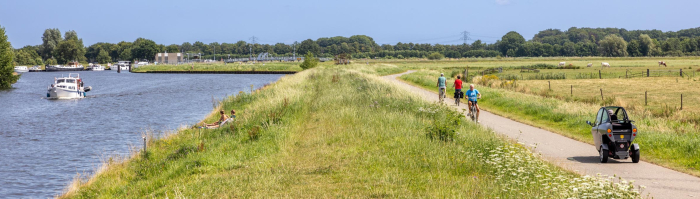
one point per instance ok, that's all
(635, 156)
(603, 155)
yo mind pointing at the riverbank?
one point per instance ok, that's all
(338, 133)
(228, 68)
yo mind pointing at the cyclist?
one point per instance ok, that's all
(458, 88)
(441, 85)
(472, 95)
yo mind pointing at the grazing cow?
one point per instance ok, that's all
(590, 64)
(662, 63)
(562, 63)
(604, 64)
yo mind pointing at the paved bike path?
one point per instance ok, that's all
(577, 156)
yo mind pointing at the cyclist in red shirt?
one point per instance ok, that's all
(458, 87)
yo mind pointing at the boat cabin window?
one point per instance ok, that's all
(70, 81)
(60, 81)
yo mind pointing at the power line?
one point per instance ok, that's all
(252, 39)
(465, 36)
(487, 37)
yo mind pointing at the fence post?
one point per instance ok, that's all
(645, 98)
(144, 144)
(600, 76)
(550, 85)
(647, 72)
(601, 95)
(572, 90)
(681, 72)
(681, 101)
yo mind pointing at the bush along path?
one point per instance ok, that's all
(576, 156)
(340, 133)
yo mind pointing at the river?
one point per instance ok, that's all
(45, 143)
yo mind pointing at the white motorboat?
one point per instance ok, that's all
(98, 68)
(21, 69)
(35, 69)
(70, 87)
(123, 65)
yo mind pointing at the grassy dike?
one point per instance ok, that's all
(329, 132)
(664, 141)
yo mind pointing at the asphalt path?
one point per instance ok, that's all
(577, 156)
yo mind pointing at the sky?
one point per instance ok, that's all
(387, 21)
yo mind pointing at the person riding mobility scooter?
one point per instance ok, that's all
(613, 133)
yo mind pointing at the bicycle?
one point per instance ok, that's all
(473, 113)
(458, 95)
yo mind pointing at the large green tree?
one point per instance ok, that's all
(613, 46)
(103, 57)
(646, 45)
(6, 67)
(172, 48)
(144, 49)
(511, 41)
(307, 46)
(126, 54)
(67, 51)
(70, 49)
(50, 41)
(23, 58)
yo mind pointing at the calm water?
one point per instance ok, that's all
(44, 143)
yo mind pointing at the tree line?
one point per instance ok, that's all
(611, 42)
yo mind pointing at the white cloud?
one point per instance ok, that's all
(502, 2)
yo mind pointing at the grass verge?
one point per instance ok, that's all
(340, 133)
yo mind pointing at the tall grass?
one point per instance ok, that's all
(666, 141)
(339, 133)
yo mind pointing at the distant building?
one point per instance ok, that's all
(168, 58)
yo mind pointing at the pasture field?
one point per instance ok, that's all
(339, 132)
(511, 67)
(523, 61)
(267, 66)
(669, 137)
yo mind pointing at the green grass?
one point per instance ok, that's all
(664, 141)
(621, 67)
(268, 66)
(332, 132)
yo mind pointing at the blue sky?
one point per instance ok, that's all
(435, 21)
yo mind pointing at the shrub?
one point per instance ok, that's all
(309, 61)
(435, 56)
(444, 125)
(399, 57)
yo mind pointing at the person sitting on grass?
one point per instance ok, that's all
(223, 118)
(233, 114)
